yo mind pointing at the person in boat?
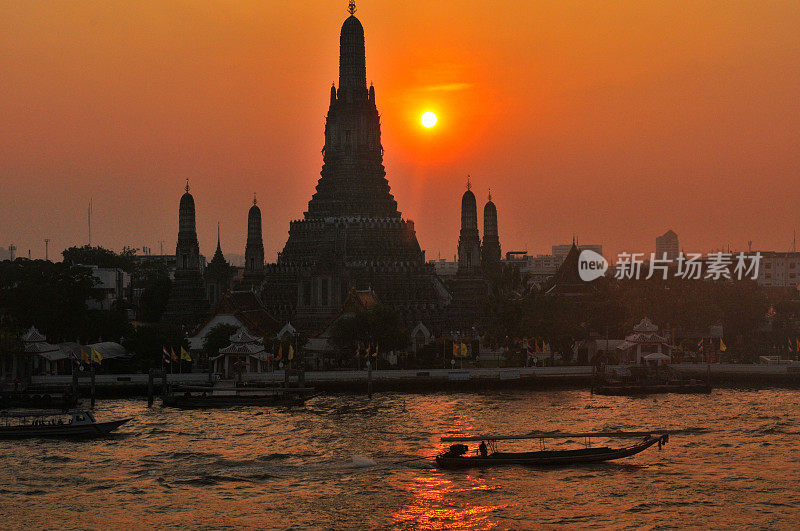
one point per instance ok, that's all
(482, 450)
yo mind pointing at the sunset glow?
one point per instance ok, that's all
(587, 105)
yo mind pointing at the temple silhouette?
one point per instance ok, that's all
(352, 236)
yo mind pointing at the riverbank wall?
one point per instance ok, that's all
(441, 380)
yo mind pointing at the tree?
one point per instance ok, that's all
(379, 327)
(100, 257)
(152, 279)
(51, 296)
(148, 341)
(218, 337)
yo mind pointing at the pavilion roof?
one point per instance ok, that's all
(248, 349)
(242, 336)
(33, 336)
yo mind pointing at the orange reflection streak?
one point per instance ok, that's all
(439, 503)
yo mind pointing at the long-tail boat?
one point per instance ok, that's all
(488, 454)
(56, 423)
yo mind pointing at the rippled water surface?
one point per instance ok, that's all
(349, 462)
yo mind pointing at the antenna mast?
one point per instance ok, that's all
(90, 222)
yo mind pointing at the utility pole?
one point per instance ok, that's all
(46, 249)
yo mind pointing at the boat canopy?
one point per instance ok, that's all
(555, 435)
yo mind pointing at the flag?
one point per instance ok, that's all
(185, 355)
(375, 352)
(455, 349)
(538, 350)
(463, 350)
(280, 353)
(369, 350)
(547, 348)
(291, 353)
(722, 347)
(84, 356)
(797, 339)
(166, 357)
(358, 350)
(700, 346)
(790, 343)
(96, 356)
(172, 354)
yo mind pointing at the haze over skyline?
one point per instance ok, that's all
(612, 121)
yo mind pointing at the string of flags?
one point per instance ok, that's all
(168, 356)
(367, 352)
(93, 357)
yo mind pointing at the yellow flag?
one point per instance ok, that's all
(96, 356)
(84, 356)
(291, 352)
(722, 347)
(455, 350)
(463, 350)
(172, 353)
(185, 355)
(375, 352)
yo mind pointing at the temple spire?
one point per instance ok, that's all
(352, 60)
(219, 247)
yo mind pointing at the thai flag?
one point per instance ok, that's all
(167, 358)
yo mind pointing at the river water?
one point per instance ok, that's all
(344, 461)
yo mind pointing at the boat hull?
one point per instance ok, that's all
(61, 431)
(548, 458)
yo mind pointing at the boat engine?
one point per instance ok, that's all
(456, 450)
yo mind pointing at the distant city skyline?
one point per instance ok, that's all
(609, 121)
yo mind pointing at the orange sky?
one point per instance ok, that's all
(614, 120)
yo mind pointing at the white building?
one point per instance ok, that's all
(444, 268)
(779, 270)
(542, 266)
(113, 283)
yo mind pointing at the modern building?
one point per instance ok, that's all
(352, 235)
(779, 269)
(667, 246)
(7, 253)
(444, 268)
(538, 269)
(112, 283)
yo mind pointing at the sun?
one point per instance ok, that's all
(428, 119)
